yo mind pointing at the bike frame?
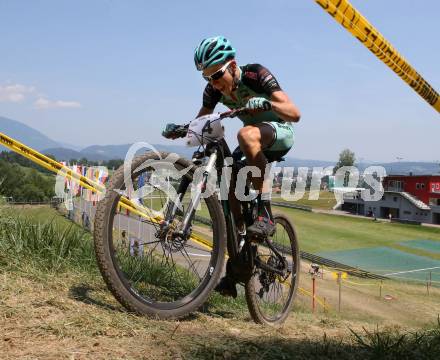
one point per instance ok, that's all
(218, 151)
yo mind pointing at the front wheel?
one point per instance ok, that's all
(270, 296)
(151, 269)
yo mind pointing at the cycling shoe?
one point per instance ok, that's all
(226, 287)
(262, 227)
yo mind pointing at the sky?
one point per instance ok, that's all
(113, 72)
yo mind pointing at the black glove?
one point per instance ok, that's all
(170, 131)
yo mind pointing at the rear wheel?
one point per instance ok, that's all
(154, 272)
(270, 296)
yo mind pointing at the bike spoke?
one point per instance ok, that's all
(190, 263)
(160, 266)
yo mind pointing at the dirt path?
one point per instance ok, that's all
(73, 316)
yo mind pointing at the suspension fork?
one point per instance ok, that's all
(200, 188)
(174, 205)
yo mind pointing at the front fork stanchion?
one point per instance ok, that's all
(174, 205)
(199, 190)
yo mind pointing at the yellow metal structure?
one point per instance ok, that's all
(355, 23)
(58, 168)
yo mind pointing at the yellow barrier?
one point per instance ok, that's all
(317, 298)
(58, 168)
(352, 20)
(359, 284)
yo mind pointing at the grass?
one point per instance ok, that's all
(52, 308)
(46, 241)
(324, 232)
(394, 344)
(48, 244)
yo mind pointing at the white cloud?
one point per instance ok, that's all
(14, 92)
(17, 93)
(44, 103)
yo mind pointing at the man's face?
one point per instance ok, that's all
(225, 84)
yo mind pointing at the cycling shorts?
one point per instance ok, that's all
(283, 137)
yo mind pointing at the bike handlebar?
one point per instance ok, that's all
(181, 130)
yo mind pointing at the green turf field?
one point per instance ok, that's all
(324, 232)
(406, 252)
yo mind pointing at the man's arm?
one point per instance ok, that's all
(205, 111)
(283, 107)
(211, 97)
(262, 80)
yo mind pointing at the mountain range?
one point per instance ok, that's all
(26, 134)
(66, 152)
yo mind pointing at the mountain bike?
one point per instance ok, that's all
(166, 264)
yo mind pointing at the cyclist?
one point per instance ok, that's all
(268, 129)
(267, 132)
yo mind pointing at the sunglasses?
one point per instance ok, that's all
(218, 74)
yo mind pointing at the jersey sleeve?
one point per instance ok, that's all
(260, 79)
(211, 97)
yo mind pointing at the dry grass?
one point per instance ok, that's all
(73, 316)
(70, 314)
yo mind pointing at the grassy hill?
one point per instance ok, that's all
(54, 304)
(25, 183)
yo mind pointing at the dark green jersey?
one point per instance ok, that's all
(255, 81)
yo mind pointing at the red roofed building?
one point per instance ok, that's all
(408, 198)
(425, 187)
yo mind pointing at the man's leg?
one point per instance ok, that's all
(255, 157)
(227, 285)
(234, 204)
(252, 140)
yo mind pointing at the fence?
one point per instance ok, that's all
(292, 206)
(336, 291)
(32, 203)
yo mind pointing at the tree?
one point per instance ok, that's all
(113, 164)
(25, 184)
(346, 158)
(12, 157)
